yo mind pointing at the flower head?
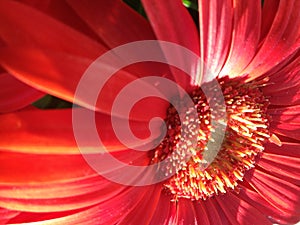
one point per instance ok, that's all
(249, 65)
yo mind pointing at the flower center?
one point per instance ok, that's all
(245, 134)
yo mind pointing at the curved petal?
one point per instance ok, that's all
(123, 204)
(201, 214)
(214, 212)
(51, 132)
(279, 193)
(87, 216)
(284, 79)
(269, 11)
(38, 29)
(117, 24)
(280, 43)
(182, 32)
(287, 149)
(283, 167)
(288, 97)
(59, 74)
(45, 179)
(216, 18)
(33, 168)
(40, 218)
(241, 212)
(114, 21)
(6, 215)
(162, 15)
(171, 218)
(60, 188)
(60, 10)
(286, 129)
(185, 212)
(245, 36)
(72, 200)
(274, 214)
(15, 95)
(162, 210)
(144, 210)
(126, 198)
(290, 115)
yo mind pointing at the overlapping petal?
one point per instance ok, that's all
(106, 23)
(282, 166)
(42, 170)
(279, 193)
(162, 212)
(239, 211)
(246, 27)
(6, 215)
(257, 201)
(183, 32)
(15, 95)
(288, 115)
(281, 41)
(59, 74)
(215, 19)
(23, 25)
(51, 132)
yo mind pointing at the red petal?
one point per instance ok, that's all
(287, 149)
(284, 167)
(113, 210)
(22, 168)
(171, 218)
(289, 115)
(287, 78)
(201, 214)
(107, 194)
(269, 11)
(60, 189)
(51, 132)
(41, 218)
(48, 33)
(286, 97)
(42, 187)
(162, 16)
(117, 24)
(144, 210)
(114, 21)
(285, 129)
(55, 201)
(61, 11)
(51, 77)
(245, 36)
(15, 95)
(256, 201)
(6, 215)
(240, 212)
(215, 33)
(280, 43)
(53, 205)
(162, 210)
(214, 212)
(281, 194)
(38, 29)
(185, 212)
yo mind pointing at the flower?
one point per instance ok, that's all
(252, 50)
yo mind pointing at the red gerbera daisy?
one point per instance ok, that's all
(252, 50)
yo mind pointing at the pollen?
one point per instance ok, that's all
(185, 142)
